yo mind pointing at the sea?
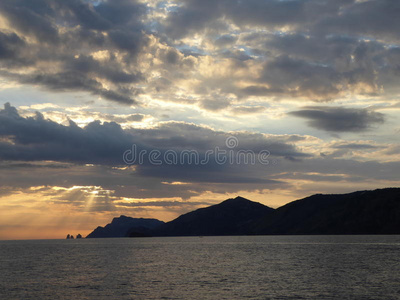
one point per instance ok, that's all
(228, 267)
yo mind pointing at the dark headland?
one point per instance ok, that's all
(362, 212)
(126, 226)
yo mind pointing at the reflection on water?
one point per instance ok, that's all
(260, 267)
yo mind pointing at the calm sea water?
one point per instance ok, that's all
(260, 267)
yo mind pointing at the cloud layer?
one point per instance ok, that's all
(126, 50)
(340, 119)
(40, 139)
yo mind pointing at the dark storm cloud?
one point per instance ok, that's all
(340, 119)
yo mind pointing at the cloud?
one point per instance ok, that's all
(304, 47)
(35, 139)
(214, 104)
(192, 16)
(225, 40)
(245, 110)
(368, 18)
(195, 15)
(355, 146)
(10, 166)
(75, 81)
(28, 21)
(300, 77)
(343, 17)
(10, 44)
(340, 119)
(60, 41)
(131, 51)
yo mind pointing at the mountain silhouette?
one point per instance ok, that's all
(363, 212)
(230, 217)
(124, 227)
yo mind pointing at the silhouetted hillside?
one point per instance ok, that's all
(364, 212)
(230, 217)
(124, 227)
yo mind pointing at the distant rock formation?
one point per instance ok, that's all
(71, 237)
(125, 227)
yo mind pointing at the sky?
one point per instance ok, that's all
(130, 107)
